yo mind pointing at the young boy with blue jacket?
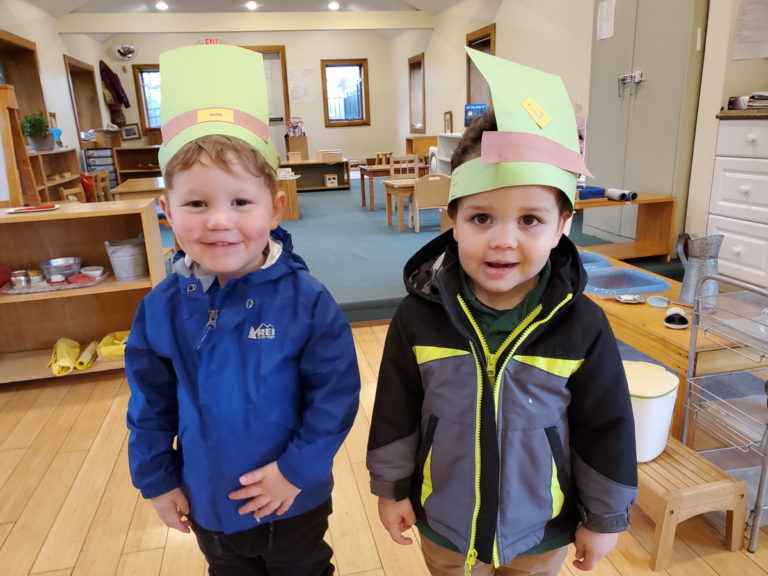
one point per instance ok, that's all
(242, 369)
(502, 426)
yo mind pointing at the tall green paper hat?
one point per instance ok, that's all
(537, 141)
(214, 89)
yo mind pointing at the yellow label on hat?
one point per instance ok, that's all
(216, 115)
(536, 112)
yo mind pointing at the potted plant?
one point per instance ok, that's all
(35, 127)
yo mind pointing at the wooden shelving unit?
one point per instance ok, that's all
(655, 221)
(312, 174)
(136, 162)
(33, 322)
(53, 169)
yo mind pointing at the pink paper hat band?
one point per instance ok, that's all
(230, 115)
(527, 147)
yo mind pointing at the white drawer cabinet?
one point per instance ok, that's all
(738, 206)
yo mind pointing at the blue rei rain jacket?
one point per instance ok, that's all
(225, 380)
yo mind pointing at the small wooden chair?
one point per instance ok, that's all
(76, 194)
(429, 192)
(405, 166)
(382, 158)
(100, 185)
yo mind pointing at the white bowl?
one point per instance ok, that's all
(94, 271)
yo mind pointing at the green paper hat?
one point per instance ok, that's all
(214, 89)
(537, 140)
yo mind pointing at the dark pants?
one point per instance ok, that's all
(290, 547)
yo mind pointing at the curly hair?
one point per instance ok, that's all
(223, 152)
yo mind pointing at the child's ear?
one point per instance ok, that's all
(166, 208)
(562, 228)
(278, 206)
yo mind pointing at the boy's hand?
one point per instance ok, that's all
(397, 517)
(591, 547)
(267, 490)
(173, 507)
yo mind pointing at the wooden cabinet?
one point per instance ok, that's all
(136, 162)
(32, 322)
(53, 169)
(319, 175)
(738, 206)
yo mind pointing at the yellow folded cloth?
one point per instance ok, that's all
(65, 353)
(87, 356)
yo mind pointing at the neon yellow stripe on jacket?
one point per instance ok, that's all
(429, 353)
(426, 485)
(557, 366)
(558, 498)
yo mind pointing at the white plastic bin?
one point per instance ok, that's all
(652, 390)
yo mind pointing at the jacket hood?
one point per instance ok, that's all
(434, 270)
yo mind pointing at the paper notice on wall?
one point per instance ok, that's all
(606, 14)
(300, 86)
(751, 39)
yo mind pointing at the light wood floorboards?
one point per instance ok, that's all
(67, 507)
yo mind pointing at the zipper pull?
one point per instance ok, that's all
(490, 368)
(470, 562)
(213, 315)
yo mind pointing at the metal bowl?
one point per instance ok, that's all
(65, 267)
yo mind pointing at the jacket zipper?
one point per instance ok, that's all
(492, 375)
(213, 316)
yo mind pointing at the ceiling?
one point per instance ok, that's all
(61, 7)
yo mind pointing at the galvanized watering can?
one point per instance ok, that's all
(700, 261)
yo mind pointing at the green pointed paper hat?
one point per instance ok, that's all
(214, 89)
(537, 140)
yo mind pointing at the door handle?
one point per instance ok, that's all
(636, 78)
(622, 80)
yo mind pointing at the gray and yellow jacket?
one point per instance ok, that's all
(502, 452)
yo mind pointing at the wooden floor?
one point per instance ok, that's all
(67, 506)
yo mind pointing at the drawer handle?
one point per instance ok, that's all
(736, 250)
(751, 137)
(744, 189)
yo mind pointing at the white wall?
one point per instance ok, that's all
(303, 51)
(551, 35)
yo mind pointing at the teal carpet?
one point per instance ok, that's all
(360, 259)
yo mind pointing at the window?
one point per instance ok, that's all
(345, 92)
(484, 40)
(416, 104)
(146, 77)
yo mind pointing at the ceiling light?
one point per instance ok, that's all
(161, 6)
(251, 5)
(333, 5)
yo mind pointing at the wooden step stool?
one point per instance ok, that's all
(680, 484)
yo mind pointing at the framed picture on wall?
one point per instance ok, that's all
(130, 132)
(448, 122)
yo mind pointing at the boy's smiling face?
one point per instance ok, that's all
(505, 237)
(222, 219)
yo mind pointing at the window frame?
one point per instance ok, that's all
(484, 39)
(362, 63)
(146, 130)
(416, 65)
